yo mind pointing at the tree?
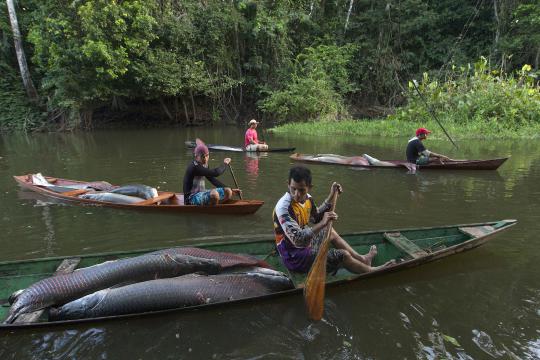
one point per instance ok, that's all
(21, 58)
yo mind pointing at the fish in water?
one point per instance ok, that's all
(178, 292)
(139, 190)
(60, 289)
(112, 198)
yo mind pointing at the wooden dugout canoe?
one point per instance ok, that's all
(166, 201)
(214, 147)
(410, 247)
(359, 161)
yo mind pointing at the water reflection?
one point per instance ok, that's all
(484, 303)
(251, 161)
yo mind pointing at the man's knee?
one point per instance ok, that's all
(214, 195)
(348, 259)
(334, 236)
(228, 192)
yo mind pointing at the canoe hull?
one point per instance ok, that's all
(235, 207)
(355, 161)
(215, 147)
(457, 237)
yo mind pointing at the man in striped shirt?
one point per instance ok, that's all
(298, 243)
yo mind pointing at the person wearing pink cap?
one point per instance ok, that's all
(195, 192)
(251, 143)
(417, 152)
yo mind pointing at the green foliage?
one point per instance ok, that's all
(18, 114)
(86, 51)
(521, 43)
(295, 60)
(475, 102)
(304, 99)
(317, 87)
(478, 95)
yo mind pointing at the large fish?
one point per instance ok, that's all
(225, 259)
(178, 292)
(112, 198)
(60, 289)
(138, 190)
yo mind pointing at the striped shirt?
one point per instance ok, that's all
(292, 233)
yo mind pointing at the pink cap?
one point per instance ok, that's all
(201, 148)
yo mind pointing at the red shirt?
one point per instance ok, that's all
(251, 134)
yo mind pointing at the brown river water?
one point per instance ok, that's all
(482, 304)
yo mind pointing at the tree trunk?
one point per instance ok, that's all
(21, 58)
(165, 109)
(348, 15)
(498, 26)
(176, 117)
(185, 111)
(193, 106)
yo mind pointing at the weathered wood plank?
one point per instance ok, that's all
(162, 197)
(404, 244)
(477, 231)
(76, 192)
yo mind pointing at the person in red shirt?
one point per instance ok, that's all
(251, 143)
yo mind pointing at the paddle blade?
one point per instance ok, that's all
(315, 284)
(316, 279)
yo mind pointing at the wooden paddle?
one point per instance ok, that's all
(316, 279)
(235, 182)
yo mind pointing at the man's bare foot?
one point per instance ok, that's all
(371, 254)
(386, 264)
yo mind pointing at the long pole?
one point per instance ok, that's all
(433, 113)
(235, 182)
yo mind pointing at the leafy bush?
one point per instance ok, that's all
(317, 86)
(17, 111)
(480, 95)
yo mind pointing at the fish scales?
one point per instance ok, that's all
(225, 259)
(178, 292)
(60, 289)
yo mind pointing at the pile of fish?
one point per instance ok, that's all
(127, 194)
(178, 292)
(164, 279)
(103, 191)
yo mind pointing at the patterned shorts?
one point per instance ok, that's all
(334, 260)
(203, 197)
(422, 160)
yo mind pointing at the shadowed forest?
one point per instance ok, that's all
(143, 63)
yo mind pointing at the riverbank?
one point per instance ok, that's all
(399, 128)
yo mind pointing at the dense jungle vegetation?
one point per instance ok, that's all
(102, 62)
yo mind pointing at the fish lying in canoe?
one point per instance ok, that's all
(166, 263)
(112, 198)
(178, 292)
(137, 190)
(82, 192)
(408, 247)
(366, 161)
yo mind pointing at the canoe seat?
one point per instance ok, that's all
(405, 245)
(477, 231)
(76, 192)
(161, 197)
(66, 266)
